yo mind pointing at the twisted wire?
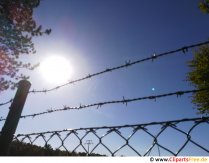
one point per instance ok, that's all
(127, 64)
(7, 102)
(123, 101)
(184, 49)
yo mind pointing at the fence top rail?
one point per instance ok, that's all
(196, 120)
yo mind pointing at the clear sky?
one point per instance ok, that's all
(96, 34)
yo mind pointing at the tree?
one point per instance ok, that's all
(199, 71)
(199, 78)
(16, 32)
(26, 149)
(204, 6)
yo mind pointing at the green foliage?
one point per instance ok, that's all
(16, 32)
(199, 78)
(25, 149)
(204, 6)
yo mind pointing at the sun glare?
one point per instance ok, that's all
(56, 69)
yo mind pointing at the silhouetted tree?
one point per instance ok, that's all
(204, 6)
(16, 32)
(199, 71)
(199, 78)
(25, 149)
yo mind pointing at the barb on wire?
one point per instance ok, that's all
(2, 119)
(127, 64)
(126, 135)
(123, 101)
(5, 103)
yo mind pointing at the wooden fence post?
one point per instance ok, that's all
(13, 117)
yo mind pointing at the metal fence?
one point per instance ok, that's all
(179, 137)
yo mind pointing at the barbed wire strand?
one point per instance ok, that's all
(5, 103)
(184, 49)
(127, 64)
(100, 104)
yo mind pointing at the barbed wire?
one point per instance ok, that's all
(184, 49)
(127, 64)
(5, 103)
(100, 134)
(123, 101)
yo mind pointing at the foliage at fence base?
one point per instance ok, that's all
(25, 149)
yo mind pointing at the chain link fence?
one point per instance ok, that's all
(179, 137)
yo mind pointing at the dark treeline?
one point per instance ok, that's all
(26, 149)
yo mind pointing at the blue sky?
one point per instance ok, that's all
(96, 34)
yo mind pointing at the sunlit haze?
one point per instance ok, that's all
(106, 63)
(56, 69)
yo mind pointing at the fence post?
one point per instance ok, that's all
(13, 117)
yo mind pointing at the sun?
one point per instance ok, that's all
(56, 69)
